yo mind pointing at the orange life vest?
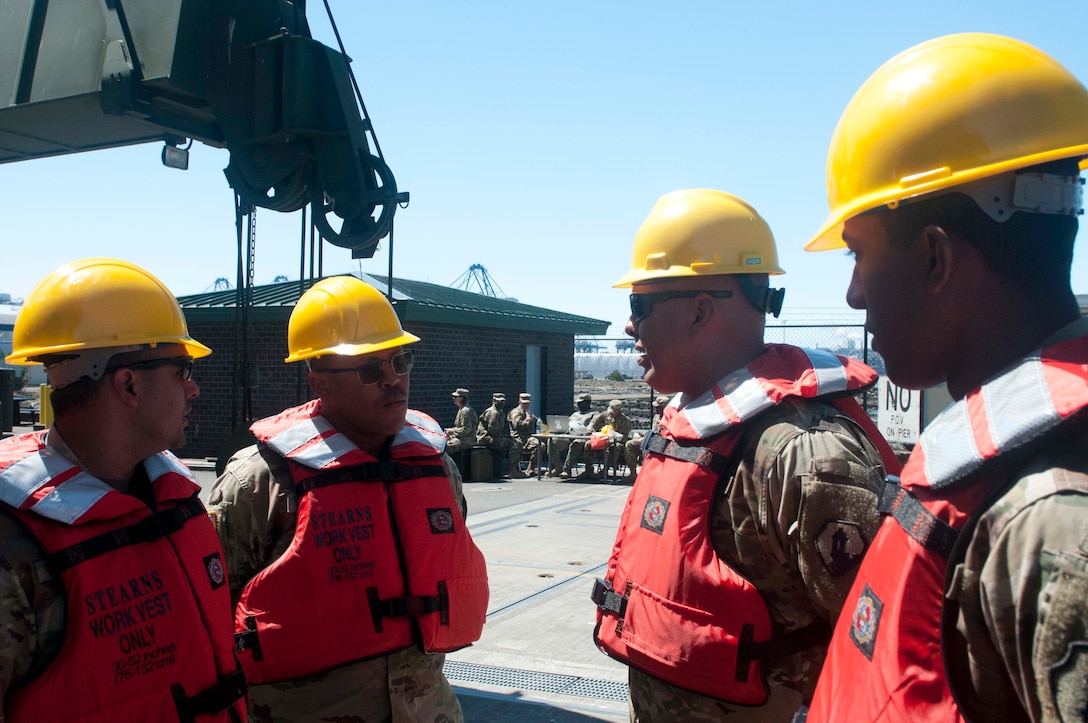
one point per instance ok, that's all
(381, 559)
(669, 605)
(886, 661)
(148, 609)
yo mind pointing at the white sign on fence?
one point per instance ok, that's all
(899, 412)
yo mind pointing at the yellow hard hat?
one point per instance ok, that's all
(701, 232)
(945, 113)
(98, 303)
(346, 316)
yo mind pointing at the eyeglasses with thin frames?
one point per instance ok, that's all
(373, 371)
(184, 363)
(643, 304)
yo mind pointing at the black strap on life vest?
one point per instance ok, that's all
(702, 456)
(227, 691)
(154, 527)
(818, 632)
(383, 471)
(928, 530)
(412, 606)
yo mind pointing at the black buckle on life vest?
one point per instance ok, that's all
(608, 599)
(227, 691)
(248, 640)
(412, 606)
(932, 533)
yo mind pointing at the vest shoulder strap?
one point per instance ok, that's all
(702, 456)
(928, 530)
(157, 526)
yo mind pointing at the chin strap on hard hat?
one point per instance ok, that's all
(1003, 195)
(761, 296)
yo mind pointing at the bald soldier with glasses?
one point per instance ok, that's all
(757, 494)
(350, 566)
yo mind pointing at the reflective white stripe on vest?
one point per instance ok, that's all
(67, 503)
(747, 398)
(422, 430)
(159, 464)
(1018, 404)
(1018, 408)
(298, 434)
(323, 452)
(948, 445)
(830, 373)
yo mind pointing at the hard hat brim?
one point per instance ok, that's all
(354, 349)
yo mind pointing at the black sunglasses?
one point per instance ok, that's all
(643, 304)
(373, 371)
(185, 363)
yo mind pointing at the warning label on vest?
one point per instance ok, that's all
(127, 613)
(344, 533)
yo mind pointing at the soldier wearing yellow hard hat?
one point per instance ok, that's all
(954, 180)
(757, 492)
(344, 530)
(100, 526)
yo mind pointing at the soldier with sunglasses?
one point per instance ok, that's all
(757, 494)
(344, 528)
(113, 599)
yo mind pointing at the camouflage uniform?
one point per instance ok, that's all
(523, 423)
(462, 435)
(1022, 640)
(255, 516)
(575, 447)
(802, 464)
(32, 607)
(494, 433)
(621, 425)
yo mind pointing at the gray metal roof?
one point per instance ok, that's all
(414, 301)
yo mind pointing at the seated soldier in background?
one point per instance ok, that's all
(462, 435)
(494, 433)
(613, 422)
(578, 424)
(523, 424)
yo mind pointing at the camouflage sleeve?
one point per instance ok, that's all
(253, 514)
(454, 475)
(32, 609)
(623, 427)
(824, 487)
(1025, 615)
(801, 511)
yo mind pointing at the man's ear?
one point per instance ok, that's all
(703, 311)
(941, 251)
(125, 385)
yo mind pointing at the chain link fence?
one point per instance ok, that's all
(606, 367)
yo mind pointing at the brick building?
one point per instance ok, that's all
(468, 340)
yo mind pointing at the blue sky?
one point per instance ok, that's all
(534, 138)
